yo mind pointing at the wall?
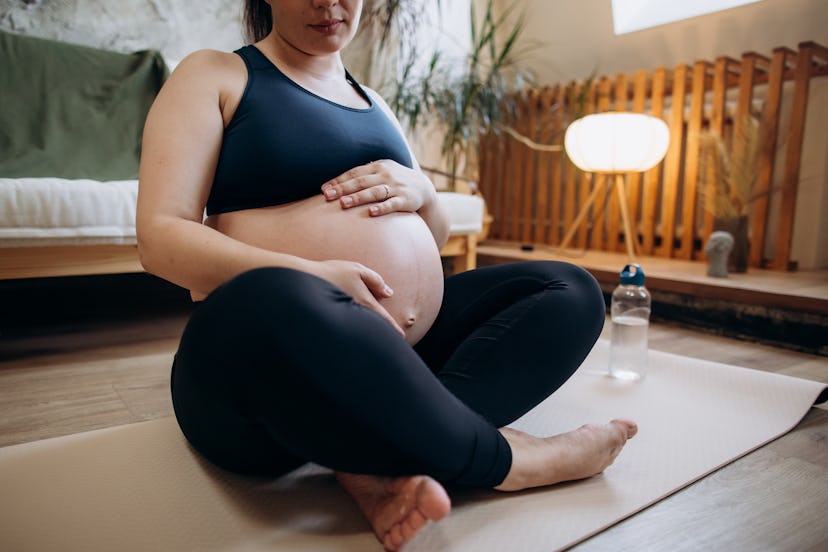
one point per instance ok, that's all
(175, 28)
(577, 39)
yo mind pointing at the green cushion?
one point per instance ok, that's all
(72, 111)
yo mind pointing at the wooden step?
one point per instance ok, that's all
(788, 309)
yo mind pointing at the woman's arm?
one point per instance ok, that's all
(180, 149)
(181, 144)
(182, 138)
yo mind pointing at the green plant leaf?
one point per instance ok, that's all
(469, 96)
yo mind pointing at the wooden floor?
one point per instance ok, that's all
(74, 377)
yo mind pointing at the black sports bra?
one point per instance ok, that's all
(284, 142)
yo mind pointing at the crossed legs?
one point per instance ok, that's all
(277, 368)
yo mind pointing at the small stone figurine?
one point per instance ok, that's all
(718, 250)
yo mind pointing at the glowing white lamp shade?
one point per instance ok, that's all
(617, 142)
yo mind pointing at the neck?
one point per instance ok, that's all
(322, 67)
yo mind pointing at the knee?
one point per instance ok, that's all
(587, 299)
(584, 281)
(588, 288)
(571, 276)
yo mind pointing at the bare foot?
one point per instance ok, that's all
(578, 454)
(396, 507)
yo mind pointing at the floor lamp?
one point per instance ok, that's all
(615, 144)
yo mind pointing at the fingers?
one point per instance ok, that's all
(379, 290)
(374, 194)
(375, 183)
(374, 189)
(386, 206)
(379, 309)
(379, 192)
(374, 282)
(355, 180)
(365, 286)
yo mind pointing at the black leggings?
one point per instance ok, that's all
(278, 367)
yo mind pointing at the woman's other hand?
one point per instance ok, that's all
(366, 286)
(385, 185)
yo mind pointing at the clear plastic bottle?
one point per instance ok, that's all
(630, 315)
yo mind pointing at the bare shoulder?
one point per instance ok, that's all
(210, 75)
(209, 65)
(211, 59)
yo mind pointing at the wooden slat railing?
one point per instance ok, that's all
(534, 195)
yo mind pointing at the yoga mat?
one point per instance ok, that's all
(140, 487)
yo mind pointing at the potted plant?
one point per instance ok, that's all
(465, 98)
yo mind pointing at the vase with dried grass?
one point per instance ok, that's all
(727, 173)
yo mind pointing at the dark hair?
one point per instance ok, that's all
(258, 20)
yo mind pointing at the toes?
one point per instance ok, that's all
(396, 537)
(632, 428)
(409, 529)
(629, 427)
(433, 501)
(416, 520)
(397, 508)
(404, 531)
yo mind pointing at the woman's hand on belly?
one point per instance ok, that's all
(386, 184)
(388, 187)
(364, 285)
(398, 248)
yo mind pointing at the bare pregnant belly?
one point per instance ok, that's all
(399, 246)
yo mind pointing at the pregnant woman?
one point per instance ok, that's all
(324, 330)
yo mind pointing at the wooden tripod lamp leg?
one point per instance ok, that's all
(581, 214)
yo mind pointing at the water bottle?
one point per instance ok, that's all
(630, 315)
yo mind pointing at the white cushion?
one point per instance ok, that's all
(57, 211)
(465, 212)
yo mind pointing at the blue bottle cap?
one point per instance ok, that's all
(632, 275)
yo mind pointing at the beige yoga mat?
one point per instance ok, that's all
(139, 487)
